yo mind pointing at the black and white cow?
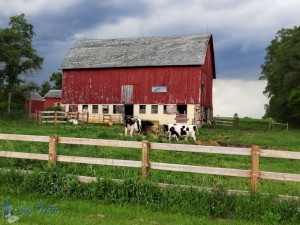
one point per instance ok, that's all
(136, 125)
(179, 130)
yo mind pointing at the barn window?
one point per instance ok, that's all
(105, 109)
(181, 109)
(170, 109)
(95, 109)
(142, 109)
(73, 108)
(118, 109)
(154, 109)
(85, 108)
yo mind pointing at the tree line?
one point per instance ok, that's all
(281, 70)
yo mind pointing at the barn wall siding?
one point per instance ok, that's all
(51, 102)
(104, 86)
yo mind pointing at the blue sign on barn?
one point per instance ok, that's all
(159, 89)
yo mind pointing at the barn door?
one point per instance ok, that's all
(127, 92)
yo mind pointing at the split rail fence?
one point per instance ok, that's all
(63, 117)
(226, 121)
(145, 164)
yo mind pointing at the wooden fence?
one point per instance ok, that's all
(272, 124)
(226, 121)
(63, 117)
(146, 164)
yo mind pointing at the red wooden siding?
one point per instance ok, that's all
(207, 76)
(104, 86)
(36, 105)
(51, 102)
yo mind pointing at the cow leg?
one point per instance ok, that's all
(170, 136)
(131, 130)
(194, 137)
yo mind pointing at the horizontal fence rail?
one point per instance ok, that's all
(85, 117)
(145, 164)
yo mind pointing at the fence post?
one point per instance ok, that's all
(145, 159)
(254, 168)
(52, 149)
(40, 118)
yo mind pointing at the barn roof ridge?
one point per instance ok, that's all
(177, 50)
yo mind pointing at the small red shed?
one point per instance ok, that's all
(34, 103)
(52, 98)
(160, 78)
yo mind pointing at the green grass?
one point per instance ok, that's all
(79, 212)
(134, 202)
(250, 132)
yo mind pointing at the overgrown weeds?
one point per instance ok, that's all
(216, 203)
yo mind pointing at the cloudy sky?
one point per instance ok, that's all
(241, 32)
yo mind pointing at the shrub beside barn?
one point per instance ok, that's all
(168, 79)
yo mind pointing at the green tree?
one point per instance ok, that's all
(281, 69)
(46, 86)
(56, 77)
(17, 55)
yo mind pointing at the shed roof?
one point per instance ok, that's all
(137, 52)
(53, 94)
(35, 96)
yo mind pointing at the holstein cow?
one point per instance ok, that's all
(136, 125)
(178, 130)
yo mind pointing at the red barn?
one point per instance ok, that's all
(52, 99)
(34, 103)
(158, 78)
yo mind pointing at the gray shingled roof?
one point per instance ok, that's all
(53, 94)
(136, 52)
(35, 96)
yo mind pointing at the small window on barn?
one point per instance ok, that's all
(95, 109)
(85, 108)
(118, 109)
(142, 109)
(105, 109)
(181, 109)
(154, 109)
(170, 109)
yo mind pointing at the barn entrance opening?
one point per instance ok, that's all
(181, 115)
(181, 109)
(128, 112)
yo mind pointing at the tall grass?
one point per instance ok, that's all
(213, 204)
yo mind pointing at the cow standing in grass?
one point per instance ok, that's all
(133, 125)
(178, 130)
(136, 125)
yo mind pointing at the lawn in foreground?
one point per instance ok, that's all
(79, 212)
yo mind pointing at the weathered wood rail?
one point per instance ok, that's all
(63, 117)
(146, 164)
(226, 121)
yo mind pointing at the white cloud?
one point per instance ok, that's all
(35, 7)
(237, 96)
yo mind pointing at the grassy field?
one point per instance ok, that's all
(79, 212)
(250, 132)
